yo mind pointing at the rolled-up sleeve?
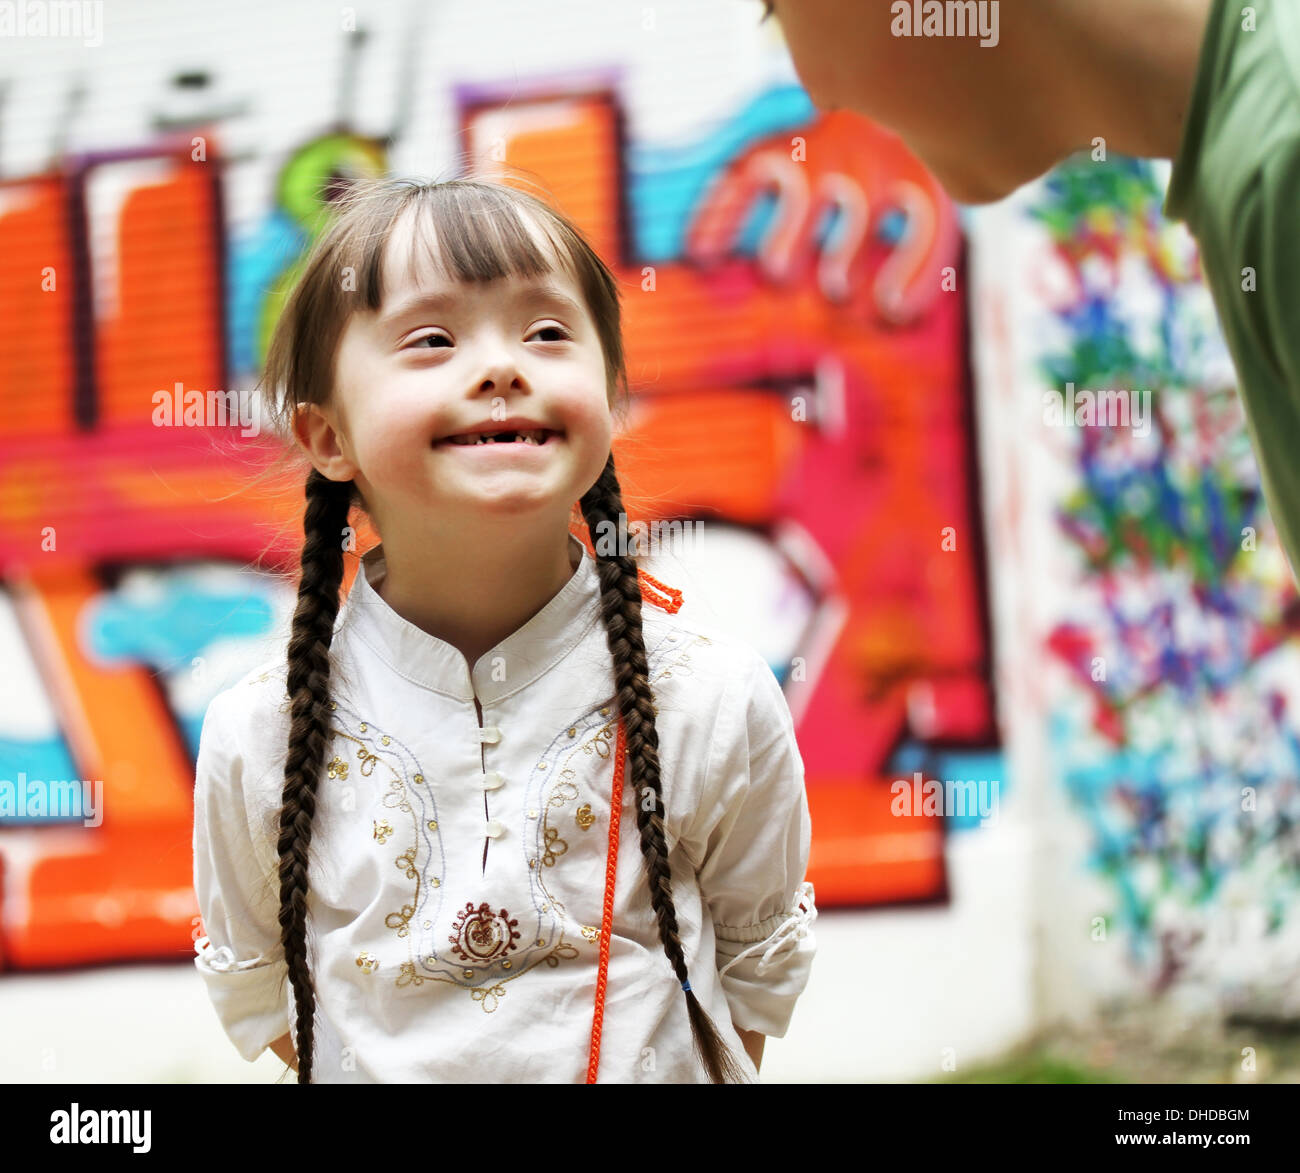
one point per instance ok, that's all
(240, 959)
(752, 832)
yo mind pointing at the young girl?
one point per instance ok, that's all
(492, 821)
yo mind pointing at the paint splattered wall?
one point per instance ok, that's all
(1147, 616)
(796, 296)
(796, 344)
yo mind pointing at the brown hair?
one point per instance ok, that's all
(480, 229)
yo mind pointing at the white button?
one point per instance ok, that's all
(496, 828)
(489, 734)
(493, 780)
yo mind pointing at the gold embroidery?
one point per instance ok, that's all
(550, 852)
(564, 949)
(368, 760)
(483, 993)
(408, 976)
(600, 741)
(400, 920)
(489, 996)
(564, 790)
(394, 798)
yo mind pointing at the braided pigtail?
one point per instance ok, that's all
(308, 685)
(621, 610)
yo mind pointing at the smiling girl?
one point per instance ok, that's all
(411, 820)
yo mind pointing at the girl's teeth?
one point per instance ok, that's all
(522, 438)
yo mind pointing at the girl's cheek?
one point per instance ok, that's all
(588, 413)
(392, 440)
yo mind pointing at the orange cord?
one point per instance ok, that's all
(673, 596)
(670, 599)
(606, 924)
(667, 599)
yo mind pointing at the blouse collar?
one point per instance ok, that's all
(432, 663)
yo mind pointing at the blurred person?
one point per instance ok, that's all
(991, 94)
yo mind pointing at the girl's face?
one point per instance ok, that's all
(440, 359)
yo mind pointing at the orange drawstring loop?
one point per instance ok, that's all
(673, 598)
(664, 597)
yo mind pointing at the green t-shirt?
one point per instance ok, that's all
(1236, 184)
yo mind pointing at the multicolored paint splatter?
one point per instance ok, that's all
(1178, 740)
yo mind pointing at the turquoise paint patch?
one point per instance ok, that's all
(969, 765)
(666, 184)
(254, 261)
(41, 760)
(176, 627)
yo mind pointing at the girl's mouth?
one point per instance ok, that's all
(537, 438)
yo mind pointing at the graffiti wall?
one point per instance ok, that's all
(795, 322)
(1147, 631)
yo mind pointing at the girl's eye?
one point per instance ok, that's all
(435, 338)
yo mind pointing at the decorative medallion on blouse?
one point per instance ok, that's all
(481, 934)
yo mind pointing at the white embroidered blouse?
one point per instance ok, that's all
(458, 867)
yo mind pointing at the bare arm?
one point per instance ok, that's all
(753, 1040)
(283, 1046)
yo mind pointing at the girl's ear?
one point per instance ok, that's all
(317, 434)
